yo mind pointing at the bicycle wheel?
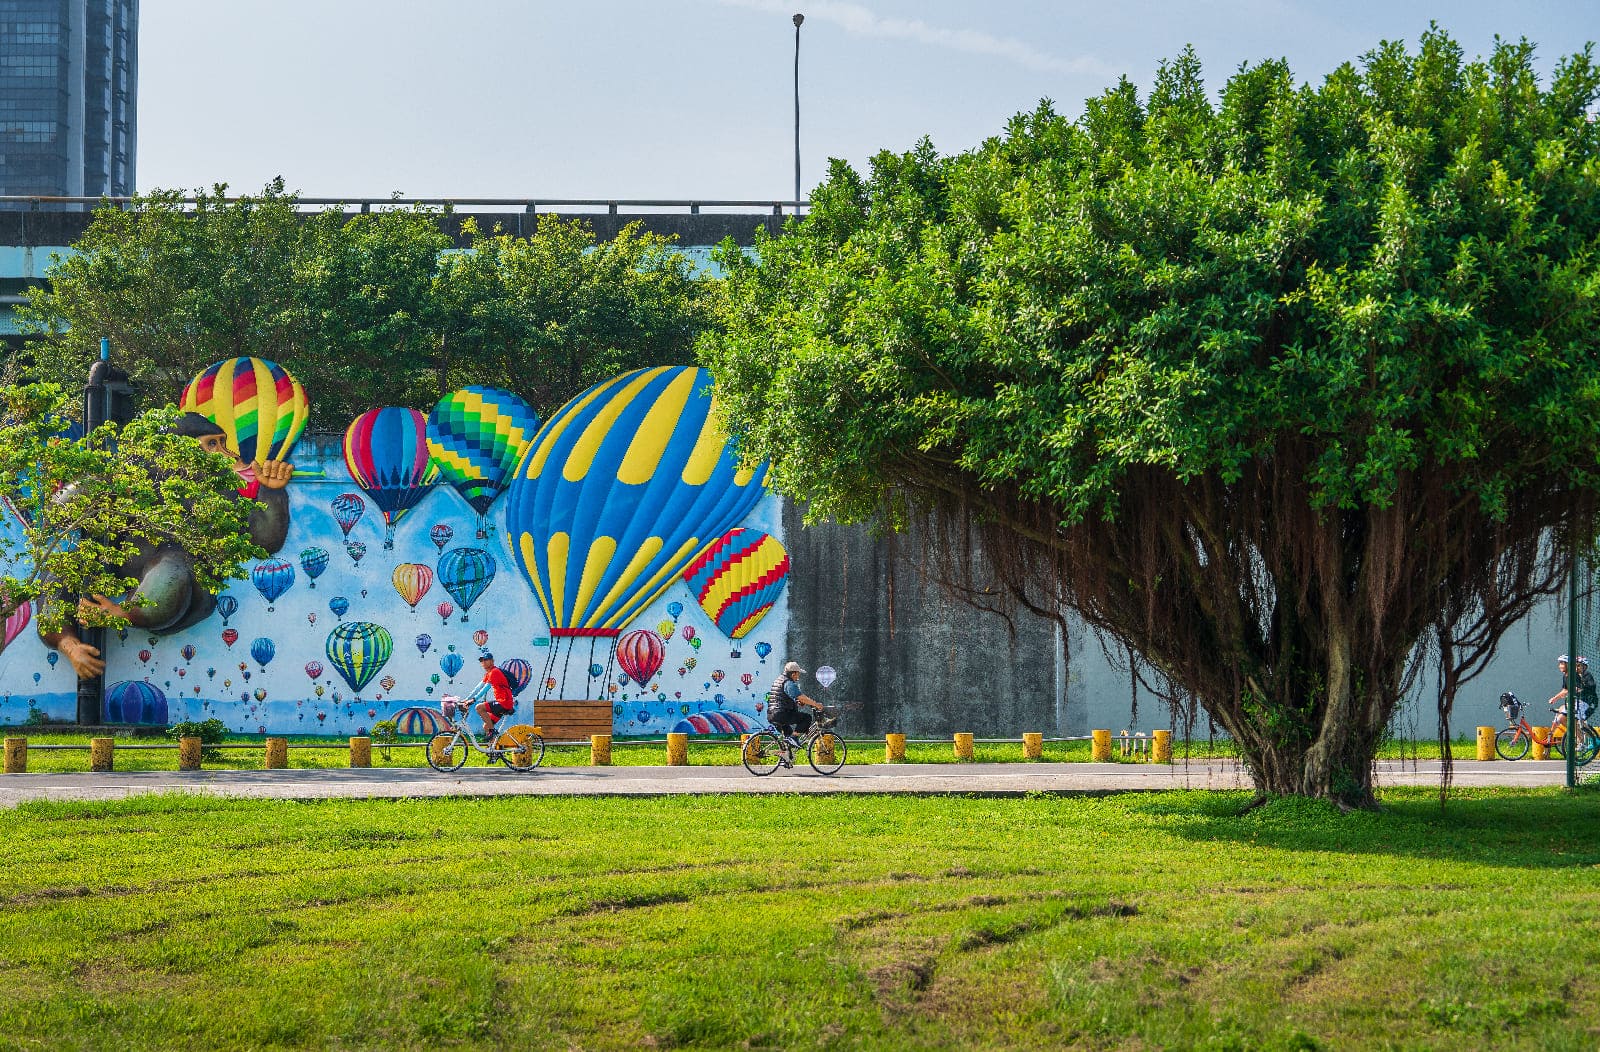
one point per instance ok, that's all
(521, 748)
(1512, 744)
(1588, 745)
(826, 753)
(447, 752)
(761, 753)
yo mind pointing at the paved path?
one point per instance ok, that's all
(1012, 779)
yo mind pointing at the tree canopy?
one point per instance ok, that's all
(84, 505)
(1279, 387)
(365, 310)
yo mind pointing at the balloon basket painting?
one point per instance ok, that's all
(616, 553)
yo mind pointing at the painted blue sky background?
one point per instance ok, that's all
(686, 98)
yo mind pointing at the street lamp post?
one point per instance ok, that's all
(798, 19)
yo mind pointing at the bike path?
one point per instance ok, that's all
(991, 779)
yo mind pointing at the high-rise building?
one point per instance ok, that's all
(69, 74)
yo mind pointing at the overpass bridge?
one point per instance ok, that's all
(34, 230)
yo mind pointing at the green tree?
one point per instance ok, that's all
(85, 506)
(366, 310)
(1290, 390)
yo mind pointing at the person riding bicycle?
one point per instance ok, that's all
(784, 702)
(502, 704)
(1586, 695)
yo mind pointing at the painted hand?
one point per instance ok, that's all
(273, 474)
(84, 659)
(96, 610)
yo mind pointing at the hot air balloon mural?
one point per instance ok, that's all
(313, 561)
(340, 606)
(440, 535)
(314, 669)
(719, 721)
(416, 720)
(737, 579)
(412, 581)
(229, 637)
(187, 652)
(262, 650)
(664, 629)
(480, 637)
(356, 550)
(257, 404)
(640, 654)
(226, 606)
(272, 578)
(135, 701)
(16, 622)
(444, 610)
(357, 650)
(466, 573)
(477, 436)
(347, 511)
(762, 650)
(450, 664)
(619, 492)
(386, 451)
(387, 682)
(424, 643)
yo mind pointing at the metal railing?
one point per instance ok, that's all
(529, 205)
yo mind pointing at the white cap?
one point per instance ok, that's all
(793, 666)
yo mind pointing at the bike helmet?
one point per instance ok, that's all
(1583, 661)
(1562, 660)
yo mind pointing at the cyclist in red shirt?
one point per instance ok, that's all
(502, 704)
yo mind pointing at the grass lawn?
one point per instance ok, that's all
(701, 751)
(1124, 922)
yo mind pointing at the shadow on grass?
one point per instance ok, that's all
(1525, 828)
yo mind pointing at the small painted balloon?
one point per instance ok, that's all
(717, 674)
(825, 675)
(387, 682)
(144, 655)
(53, 657)
(339, 605)
(451, 664)
(762, 650)
(480, 637)
(424, 643)
(314, 669)
(595, 671)
(355, 549)
(412, 581)
(262, 650)
(272, 578)
(347, 511)
(746, 679)
(261, 694)
(313, 561)
(444, 610)
(665, 629)
(230, 636)
(440, 535)
(688, 633)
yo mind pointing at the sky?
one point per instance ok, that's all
(688, 99)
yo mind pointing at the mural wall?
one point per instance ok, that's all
(618, 554)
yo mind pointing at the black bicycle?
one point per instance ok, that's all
(765, 752)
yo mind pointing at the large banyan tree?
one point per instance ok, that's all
(1292, 390)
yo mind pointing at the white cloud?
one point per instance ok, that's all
(860, 21)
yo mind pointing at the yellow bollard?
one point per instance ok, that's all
(1541, 743)
(361, 752)
(16, 756)
(277, 757)
(1486, 743)
(1101, 752)
(599, 750)
(824, 747)
(963, 746)
(100, 754)
(1032, 745)
(894, 748)
(677, 749)
(188, 754)
(1161, 748)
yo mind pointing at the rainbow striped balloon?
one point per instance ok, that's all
(258, 405)
(477, 436)
(738, 578)
(619, 491)
(386, 451)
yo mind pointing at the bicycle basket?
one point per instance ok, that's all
(1510, 706)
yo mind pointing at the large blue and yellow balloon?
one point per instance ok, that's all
(477, 437)
(623, 487)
